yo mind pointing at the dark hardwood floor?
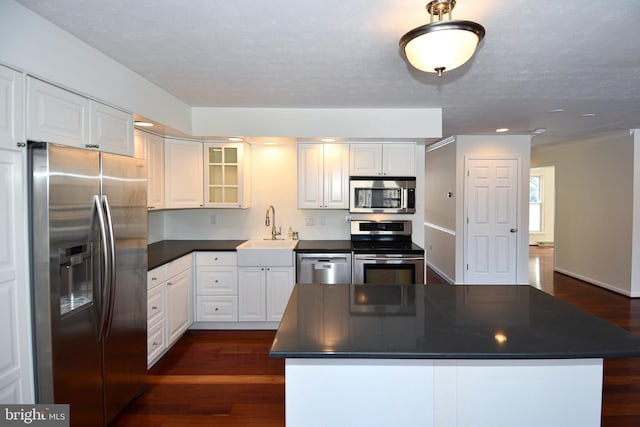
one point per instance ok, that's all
(225, 378)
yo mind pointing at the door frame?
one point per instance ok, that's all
(522, 216)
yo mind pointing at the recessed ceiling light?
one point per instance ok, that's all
(235, 139)
(501, 130)
(587, 115)
(557, 110)
(328, 140)
(538, 131)
(143, 124)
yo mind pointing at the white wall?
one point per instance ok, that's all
(320, 122)
(440, 209)
(594, 208)
(274, 181)
(273, 176)
(444, 216)
(34, 45)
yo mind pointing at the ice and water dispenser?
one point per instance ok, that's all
(76, 277)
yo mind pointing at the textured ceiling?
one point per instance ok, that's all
(537, 56)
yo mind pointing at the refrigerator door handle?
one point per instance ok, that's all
(106, 271)
(112, 265)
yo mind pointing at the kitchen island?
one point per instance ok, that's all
(443, 356)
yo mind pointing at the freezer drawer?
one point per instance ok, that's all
(328, 269)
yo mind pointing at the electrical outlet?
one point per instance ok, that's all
(323, 220)
(308, 220)
(213, 219)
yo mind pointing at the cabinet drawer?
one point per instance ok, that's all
(156, 342)
(216, 258)
(217, 281)
(156, 276)
(217, 309)
(179, 265)
(156, 303)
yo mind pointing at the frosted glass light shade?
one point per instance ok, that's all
(442, 45)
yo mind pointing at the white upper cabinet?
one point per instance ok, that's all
(227, 175)
(183, 173)
(11, 108)
(398, 159)
(56, 115)
(111, 130)
(382, 159)
(365, 159)
(151, 147)
(323, 176)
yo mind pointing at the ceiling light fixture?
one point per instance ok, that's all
(143, 124)
(502, 130)
(328, 140)
(235, 139)
(442, 45)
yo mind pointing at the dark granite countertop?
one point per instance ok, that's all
(442, 322)
(168, 250)
(165, 251)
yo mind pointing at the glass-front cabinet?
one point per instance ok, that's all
(227, 175)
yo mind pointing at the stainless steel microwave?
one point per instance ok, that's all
(382, 195)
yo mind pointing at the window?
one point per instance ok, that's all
(535, 203)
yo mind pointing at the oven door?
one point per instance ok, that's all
(396, 269)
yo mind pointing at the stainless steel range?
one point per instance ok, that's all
(383, 253)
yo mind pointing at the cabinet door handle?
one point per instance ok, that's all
(154, 308)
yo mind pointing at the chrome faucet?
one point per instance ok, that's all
(274, 232)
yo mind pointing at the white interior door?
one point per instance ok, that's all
(492, 221)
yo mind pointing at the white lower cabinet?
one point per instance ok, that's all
(169, 305)
(216, 287)
(280, 282)
(179, 304)
(263, 292)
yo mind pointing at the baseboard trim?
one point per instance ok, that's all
(440, 273)
(595, 282)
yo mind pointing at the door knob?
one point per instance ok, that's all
(514, 230)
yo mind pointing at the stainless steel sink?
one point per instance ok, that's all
(261, 252)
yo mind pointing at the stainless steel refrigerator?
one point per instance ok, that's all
(89, 263)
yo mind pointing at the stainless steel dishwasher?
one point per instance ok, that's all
(324, 268)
